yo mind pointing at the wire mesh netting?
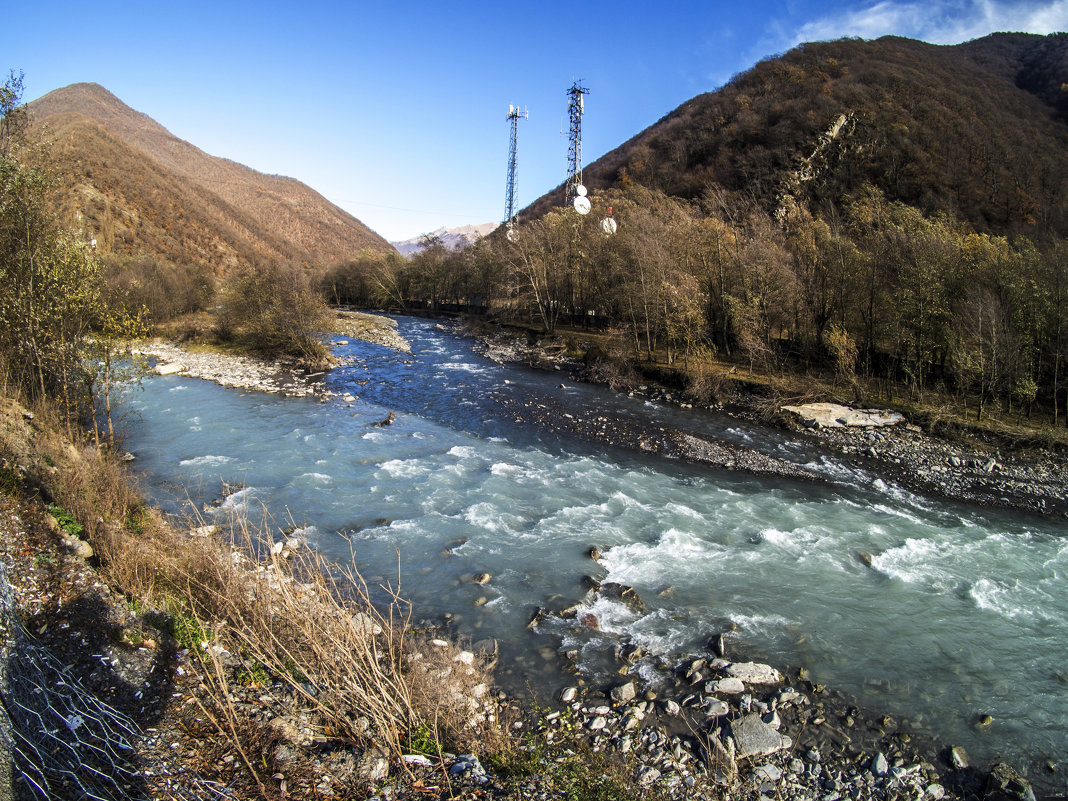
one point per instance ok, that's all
(59, 741)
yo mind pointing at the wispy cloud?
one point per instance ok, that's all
(938, 22)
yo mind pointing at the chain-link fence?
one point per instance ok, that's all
(58, 741)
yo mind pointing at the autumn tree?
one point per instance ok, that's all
(275, 311)
(50, 277)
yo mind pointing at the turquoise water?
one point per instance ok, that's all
(927, 610)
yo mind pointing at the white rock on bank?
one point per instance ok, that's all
(754, 673)
(833, 415)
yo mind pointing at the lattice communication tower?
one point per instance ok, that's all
(512, 190)
(575, 107)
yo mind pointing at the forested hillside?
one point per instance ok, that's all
(976, 130)
(889, 215)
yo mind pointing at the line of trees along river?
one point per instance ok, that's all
(871, 288)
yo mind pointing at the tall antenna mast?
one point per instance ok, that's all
(511, 192)
(575, 107)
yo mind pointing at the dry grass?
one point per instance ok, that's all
(239, 600)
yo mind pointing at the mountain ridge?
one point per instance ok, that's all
(452, 238)
(236, 214)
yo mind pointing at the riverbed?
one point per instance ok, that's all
(933, 611)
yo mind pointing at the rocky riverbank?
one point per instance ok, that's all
(1032, 481)
(246, 372)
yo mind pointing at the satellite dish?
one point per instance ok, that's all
(580, 190)
(609, 225)
(582, 205)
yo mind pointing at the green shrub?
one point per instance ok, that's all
(65, 519)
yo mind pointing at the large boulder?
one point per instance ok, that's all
(1006, 784)
(754, 737)
(754, 673)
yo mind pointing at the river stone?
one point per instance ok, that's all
(365, 625)
(754, 737)
(628, 596)
(754, 673)
(373, 765)
(768, 772)
(717, 645)
(715, 707)
(598, 723)
(730, 686)
(468, 767)
(285, 730)
(624, 692)
(833, 415)
(537, 617)
(648, 774)
(879, 765)
(672, 708)
(568, 694)
(78, 547)
(958, 758)
(1004, 783)
(721, 764)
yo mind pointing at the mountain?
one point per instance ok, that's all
(977, 130)
(450, 238)
(141, 190)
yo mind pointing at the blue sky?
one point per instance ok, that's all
(396, 111)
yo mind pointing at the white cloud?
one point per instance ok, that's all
(938, 22)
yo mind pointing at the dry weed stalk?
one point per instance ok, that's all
(313, 624)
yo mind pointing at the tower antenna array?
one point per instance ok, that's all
(511, 192)
(575, 107)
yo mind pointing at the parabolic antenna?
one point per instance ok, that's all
(582, 205)
(580, 190)
(609, 225)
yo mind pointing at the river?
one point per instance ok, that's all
(927, 610)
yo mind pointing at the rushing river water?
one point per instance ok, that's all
(923, 609)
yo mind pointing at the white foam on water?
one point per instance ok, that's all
(466, 367)
(179, 388)
(319, 478)
(237, 502)
(306, 533)
(674, 557)
(373, 436)
(405, 468)
(489, 516)
(897, 511)
(916, 562)
(1000, 598)
(683, 510)
(463, 451)
(207, 460)
(506, 470)
(758, 625)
